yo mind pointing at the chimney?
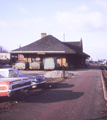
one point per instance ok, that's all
(43, 35)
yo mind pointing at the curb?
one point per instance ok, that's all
(104, 88)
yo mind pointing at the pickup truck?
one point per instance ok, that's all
(8, 86)
(12, 73)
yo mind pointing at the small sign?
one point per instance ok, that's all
(41, 53)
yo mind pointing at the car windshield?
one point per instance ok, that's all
(14, 73)
(18, 72)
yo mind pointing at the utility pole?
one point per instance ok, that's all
(64, 37)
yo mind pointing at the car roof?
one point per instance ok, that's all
(6, 69)
(13, 79)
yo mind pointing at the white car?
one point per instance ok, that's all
(8, 86)
(10, 73)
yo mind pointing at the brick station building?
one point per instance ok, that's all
(68, 54)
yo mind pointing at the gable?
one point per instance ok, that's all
(77, 46)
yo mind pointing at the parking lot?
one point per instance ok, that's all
(77, 97)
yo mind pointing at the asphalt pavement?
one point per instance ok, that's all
(77, 98)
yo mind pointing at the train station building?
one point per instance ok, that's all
(67, 54)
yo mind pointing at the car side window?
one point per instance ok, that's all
(3, 73)
(12, 73)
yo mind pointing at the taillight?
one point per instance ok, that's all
(3, 87)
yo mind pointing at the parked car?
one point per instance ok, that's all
(7, 66)
(1, 66)
(8, 86)
(10, 73)
(87, 64)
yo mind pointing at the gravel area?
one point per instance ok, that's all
(50, 74)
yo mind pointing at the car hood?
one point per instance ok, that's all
(30, 76)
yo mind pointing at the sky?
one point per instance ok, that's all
(23, 21)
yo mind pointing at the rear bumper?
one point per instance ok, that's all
(3, 94)
(11, 91)
(6, 93)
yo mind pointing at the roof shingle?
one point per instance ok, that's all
(48, 43)
(52, 44)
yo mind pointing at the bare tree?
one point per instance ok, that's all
(2, 50)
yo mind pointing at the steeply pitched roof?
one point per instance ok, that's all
(50, 44)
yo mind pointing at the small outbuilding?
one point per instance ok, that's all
(66, 54)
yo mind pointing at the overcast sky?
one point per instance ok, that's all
(23, 21)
